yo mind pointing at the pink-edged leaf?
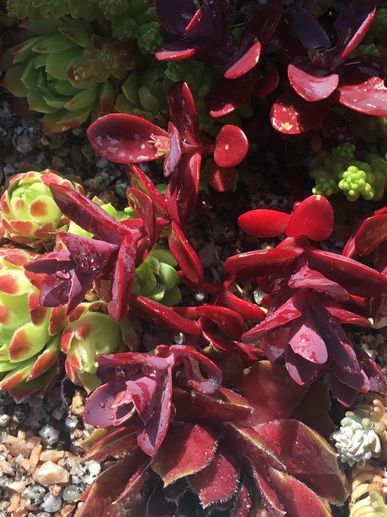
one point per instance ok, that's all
(244, 504)
(362, 87)
(261, 262)
(297, 499)
(87, 214)
(269, 496)
(357, 278)
(371, 233)
(183, 112)
(231, 146)
(114, 443)
(176, 51)
(309, 86)
(291, 115)
(216, 483)
(248, 310)
(290, 310)
(187, 449)
(352, 25)
(270, 392)
(185, 255)
(141, 180)
(102, 493)
(306, 278)
(123, 138)
(142, 205)
(123, 278)
(264, 222)
(226, 95)
(183, 188)
(162, 315)
(307, 342)
(313, 218)
(197, 407)
(306, 456)
(246, 59)
(175, 14)
(200, 372)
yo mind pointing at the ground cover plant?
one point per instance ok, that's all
(256, 395)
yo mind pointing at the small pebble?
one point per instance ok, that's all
(4, 420)
(179, 338)
(51, 504)
(50, 474)
(71, 493)
(94, 468)
(71, 422)
(49, 434)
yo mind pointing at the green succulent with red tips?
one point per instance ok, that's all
(28, 212)
(89, 333)
(66, 71)
(29, 333)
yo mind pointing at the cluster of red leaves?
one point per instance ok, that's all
(319, 73)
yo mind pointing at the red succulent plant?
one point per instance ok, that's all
(321, 72)
(223, 451)
(129, 139)
(311, 293)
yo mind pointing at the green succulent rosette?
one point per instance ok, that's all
(66, 71)
(28, 212)
(29, 333)
(90, 333)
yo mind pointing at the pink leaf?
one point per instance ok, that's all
(313, 217)
(176, 51)
(307, 342)
(231, 146)
(123, 138)
(263, 222)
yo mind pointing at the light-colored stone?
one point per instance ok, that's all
(35, 457)
(18, 486)
(51, 455)
(50, 474)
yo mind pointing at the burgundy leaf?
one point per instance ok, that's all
(114, 443)
(183, 113)
(221, 179)
(291, 115)
(123, 138)
(269, 495)
(309, 86)
(307, 342)
(187, 449)
(226, 95)
(175, 151)
(261, 262)
(231, 146)
(249, 311)
(263, 222)
(264, 22)
(185, 255)
(175, 14)
(306, 278)
(246, 59)
(267, 83)
(301, 370)
(371, 233)
(142, 205)
(146, 184)
(313, 218)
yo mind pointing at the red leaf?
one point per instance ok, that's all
(309, 86)
(183, 113)
(185, 255)
(307, 342)
(307, 456)
(249, 311)
(263, 222)
(143, 207)
(297, 499)
(114, 443)
(313, 218)
(227, 320)
(231, 146)
(261, 262)
(176, 51)
(291, 115)
(146, 184)
(226, 95)
(187, 449)
(221, 179)
(372, 232)
(123, 138)
(306, 278)
(216, 483)
(246, 60)
(357, 278)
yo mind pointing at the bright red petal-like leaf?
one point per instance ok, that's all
(187, 449)
(309, 86)
(216, 483)
(226, 95)
(307, 456)
(143, 207)
(248, 310)
(246, 59)
(263, 222)
(261, 262)
(221, 179)
(291, 115)
(372, 232)
(362, 87)
(176, 51)
(313, 218)
(227, 320)
(183, 112)
(270, 392)
(185, 255)
(297, 498)
(306, 278)
(123, 138)
(141, 180)
(357, 278)
(231, 146)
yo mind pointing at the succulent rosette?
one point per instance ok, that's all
(29, 333)
(28, 212)
(91, 332)
(66, 72)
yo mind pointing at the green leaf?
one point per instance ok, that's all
(24, 52)
(63, 120)
(37, 102)
(82, 100)
(40, 61)
(54, 44)
(43, 27)
(123, 105)
(12, 81)
(30, 75)
(77, 31)
(65, 88)
(130, 88)
(172, 297)
(107, 95)
(147, 100)
(57, 66)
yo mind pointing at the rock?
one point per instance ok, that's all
(50, 474)
(4, 420)
(71, 493)
(51, 504)
(49, 434)
(51, 455)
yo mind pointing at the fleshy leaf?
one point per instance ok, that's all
(313, 218)
(263, 222)
(309, 86)
(261, 262)
(231, 146)
(185, 255)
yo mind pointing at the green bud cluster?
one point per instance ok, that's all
(340, 170)
(370, 49)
